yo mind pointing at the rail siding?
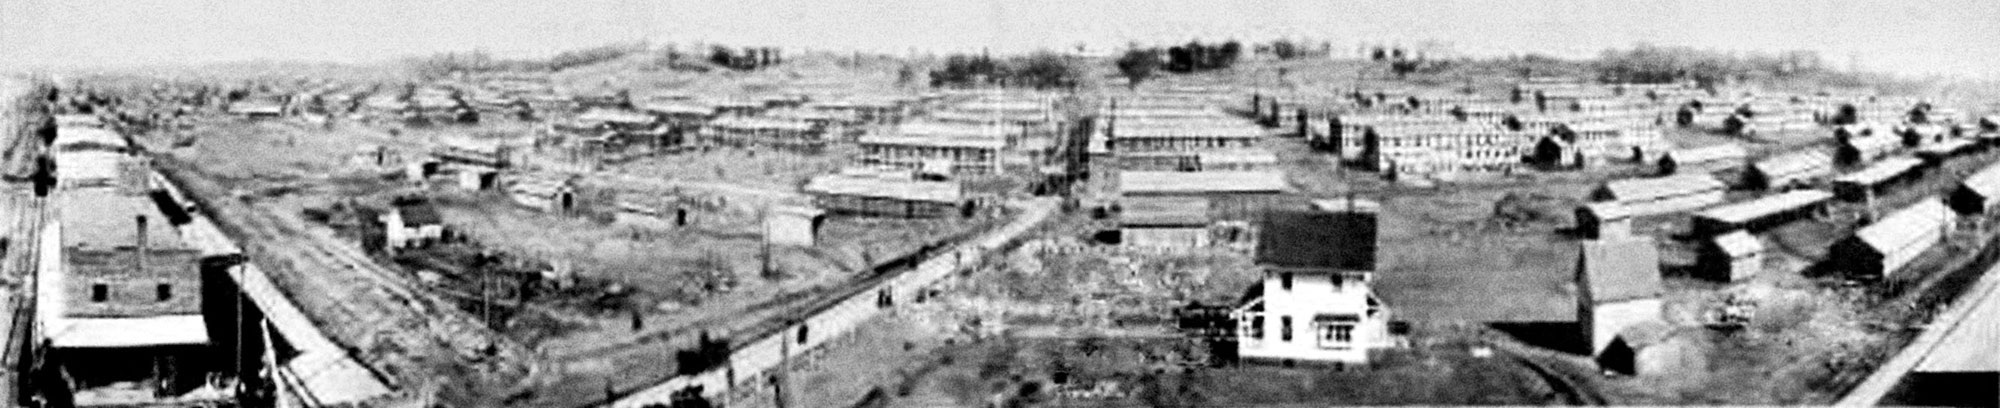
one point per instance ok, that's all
(754, 362)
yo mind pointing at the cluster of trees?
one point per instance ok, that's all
(480, 61)
(1041, 70)
(1139, 64)
(745, 59)
(1655, 64)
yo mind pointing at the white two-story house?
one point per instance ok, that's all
(1315, 304)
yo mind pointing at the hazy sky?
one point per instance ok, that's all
(1955, 37)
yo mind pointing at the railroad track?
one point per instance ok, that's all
(409, 335)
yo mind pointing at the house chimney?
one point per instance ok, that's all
(140, 221)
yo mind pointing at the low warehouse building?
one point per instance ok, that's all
(793, 225)
(1858, 150)
(1703, 159)
(1162, 222)
(888, 196)
(1758, 214)
(1887, 245)
(1942, 151)
(1979, 194)
(1731, 257)
(1789, 170)
(1233, 195)
(1664, 195)
(1861, 186)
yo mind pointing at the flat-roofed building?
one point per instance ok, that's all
(1206, 160)
(1234, 195)
(941, 154)
(1172, 136)
(119, 304)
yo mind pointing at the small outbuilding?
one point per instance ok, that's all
(793, 225)
(412, 223)
(1603, 220)
(1978, 194)
(1164, 222)
(1888, 244)
(1731, 257)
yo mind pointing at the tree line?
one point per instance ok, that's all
(1040, 70)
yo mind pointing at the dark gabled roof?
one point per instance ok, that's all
(1620, 269)
(419, 213)
(1318, 240)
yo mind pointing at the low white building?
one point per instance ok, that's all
(793, 225)
(1315, 304)
(412, 225)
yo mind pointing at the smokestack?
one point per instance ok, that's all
(140, 220)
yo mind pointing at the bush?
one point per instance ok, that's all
(1138, 65)
(1039, 70)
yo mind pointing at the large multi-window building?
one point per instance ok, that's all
(1315, 303)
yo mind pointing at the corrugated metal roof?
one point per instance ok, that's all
(1905, 225)
(1175, 182)
(1881, 171)
(899, 189)
(1621, 269)
(1738, 243)
(1163, 211)
(1652, 188)
(1746, 211)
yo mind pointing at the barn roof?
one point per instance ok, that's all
(1738, 243)
(1652, 188)
(1908, 224)
(1621, 269)
(1794, 165)
(1176, 182)
(1881, 171)
(1742, 212)
(881, 187)
(1164, 211)
(1721, 152)
(1317, 239)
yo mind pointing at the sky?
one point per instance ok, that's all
(1906, 37)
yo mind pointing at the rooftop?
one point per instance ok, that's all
(1174, 182)
(1621, 269)
(101, 218)
(1317, 239)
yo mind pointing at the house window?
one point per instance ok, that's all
(1338, 336)
(99, 292)
(1337, 281)
(1285, 280)
(1256, 329)
(163, 292)
(1285, 328)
